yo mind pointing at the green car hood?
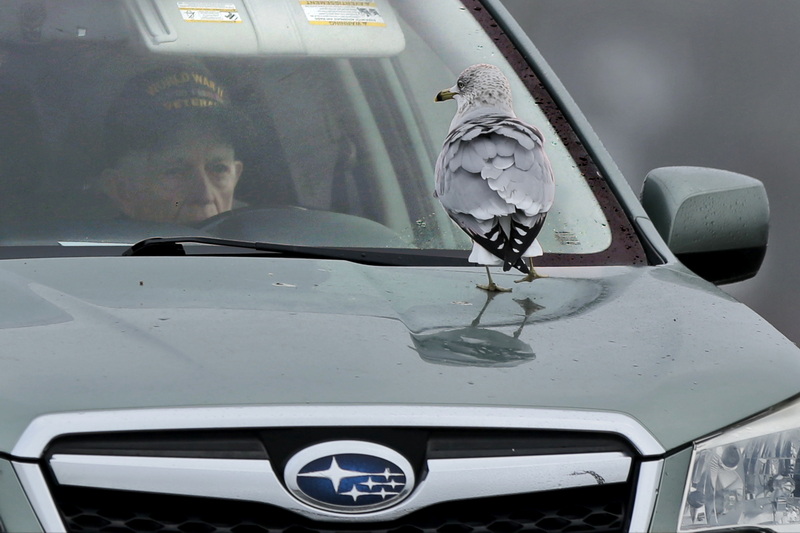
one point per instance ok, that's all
(655, 343)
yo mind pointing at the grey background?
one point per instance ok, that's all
(692, 82)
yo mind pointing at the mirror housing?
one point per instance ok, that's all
(716, 222)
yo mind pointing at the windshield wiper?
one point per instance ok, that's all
(174, 246)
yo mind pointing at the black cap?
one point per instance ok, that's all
(153, 105)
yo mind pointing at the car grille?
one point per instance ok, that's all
(594, 509)
(593, 504)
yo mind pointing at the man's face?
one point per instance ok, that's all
(189, 180)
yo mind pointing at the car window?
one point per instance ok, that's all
(330, 124)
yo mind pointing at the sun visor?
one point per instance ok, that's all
(342, 28)
(32, 22)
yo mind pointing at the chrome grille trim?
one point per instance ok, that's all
(35, 487)
(41, 431)
(45, 428)
(645, 497)
(254, 480)
(235, 479)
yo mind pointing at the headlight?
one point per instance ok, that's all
(746, 476)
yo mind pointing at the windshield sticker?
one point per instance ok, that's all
(342, 13)
(209, 12)
(567, 238)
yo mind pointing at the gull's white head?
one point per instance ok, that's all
(481, 89)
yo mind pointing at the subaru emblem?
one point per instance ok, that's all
(349, 476)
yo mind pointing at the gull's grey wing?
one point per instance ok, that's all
(494, 166)
(495, 181)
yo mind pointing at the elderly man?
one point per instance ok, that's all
(170, 147)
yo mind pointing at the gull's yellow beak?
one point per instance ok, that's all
(447, 94)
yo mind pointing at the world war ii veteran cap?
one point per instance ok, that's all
(154, 104)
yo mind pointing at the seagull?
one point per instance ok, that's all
(493, 177)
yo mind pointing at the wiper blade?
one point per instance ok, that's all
(174, 246)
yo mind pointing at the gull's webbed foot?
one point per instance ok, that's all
(531, 275)
(492, 286)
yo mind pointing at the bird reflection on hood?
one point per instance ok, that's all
(475, 345)
(498, 335)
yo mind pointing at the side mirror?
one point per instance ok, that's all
(716, 222)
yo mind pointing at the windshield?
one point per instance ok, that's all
(290, 121)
